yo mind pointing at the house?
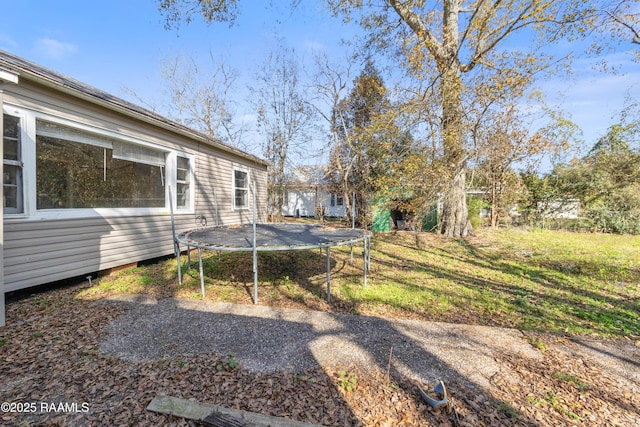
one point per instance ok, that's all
(88, 179)
(308, 194)
(559, 208)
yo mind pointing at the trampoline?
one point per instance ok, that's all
(281, 236)
(271, 237)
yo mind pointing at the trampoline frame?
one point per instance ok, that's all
(183, 239)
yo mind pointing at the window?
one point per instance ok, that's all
(56, 168)
(12, 190)
(337, 200)
(183, 175)
(240, 189)
(78, 169)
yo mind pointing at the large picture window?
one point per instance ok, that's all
(12, 189)
(78, 169)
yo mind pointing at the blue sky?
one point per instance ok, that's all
(120, 44)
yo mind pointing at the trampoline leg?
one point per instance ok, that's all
(176, 248)
(255, 276)
(255, 248)
(201, 271)
(364, 260)
(328, 275)
(188, 258)
(369, 255)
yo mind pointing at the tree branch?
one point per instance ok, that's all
(505, 30)
(419, 28)
(615, 18)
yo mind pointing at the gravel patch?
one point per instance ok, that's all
(51, 353)
(267, 340)
(619, 358)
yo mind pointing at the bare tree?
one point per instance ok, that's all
(330, 83)
(284, 116)
(200, 97)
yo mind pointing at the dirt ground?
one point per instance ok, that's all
(54, 370)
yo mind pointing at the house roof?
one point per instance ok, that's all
(34, 72)
(307, 176)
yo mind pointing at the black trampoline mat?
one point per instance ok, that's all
(271, 236)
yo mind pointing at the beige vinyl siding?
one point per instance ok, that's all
(219, 178)
(40, 250)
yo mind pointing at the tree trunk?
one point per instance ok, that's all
(455, 216)
(495, 209)
(283, 147)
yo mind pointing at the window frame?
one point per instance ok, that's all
(28, 135)
(190, 181)
(336, 200)
(20, 163)
(234, 188)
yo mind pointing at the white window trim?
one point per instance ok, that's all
(233, 189)
(334, 198)
(9, 110)
(28, 119)
(171, 173)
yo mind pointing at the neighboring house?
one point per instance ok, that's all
(88, 178)
(563, 207)
(307, 194)
(568, 208)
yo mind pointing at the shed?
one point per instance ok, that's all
(89, 179)
(391, 209)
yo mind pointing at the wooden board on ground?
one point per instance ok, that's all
(193, 410)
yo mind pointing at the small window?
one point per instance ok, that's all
(240, 189)
(337, 200)
(183, 173)
(12, 189)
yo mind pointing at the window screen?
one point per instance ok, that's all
(78, 169)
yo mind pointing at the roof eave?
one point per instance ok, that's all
(122, 109)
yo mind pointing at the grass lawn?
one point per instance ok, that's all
(559, 282)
